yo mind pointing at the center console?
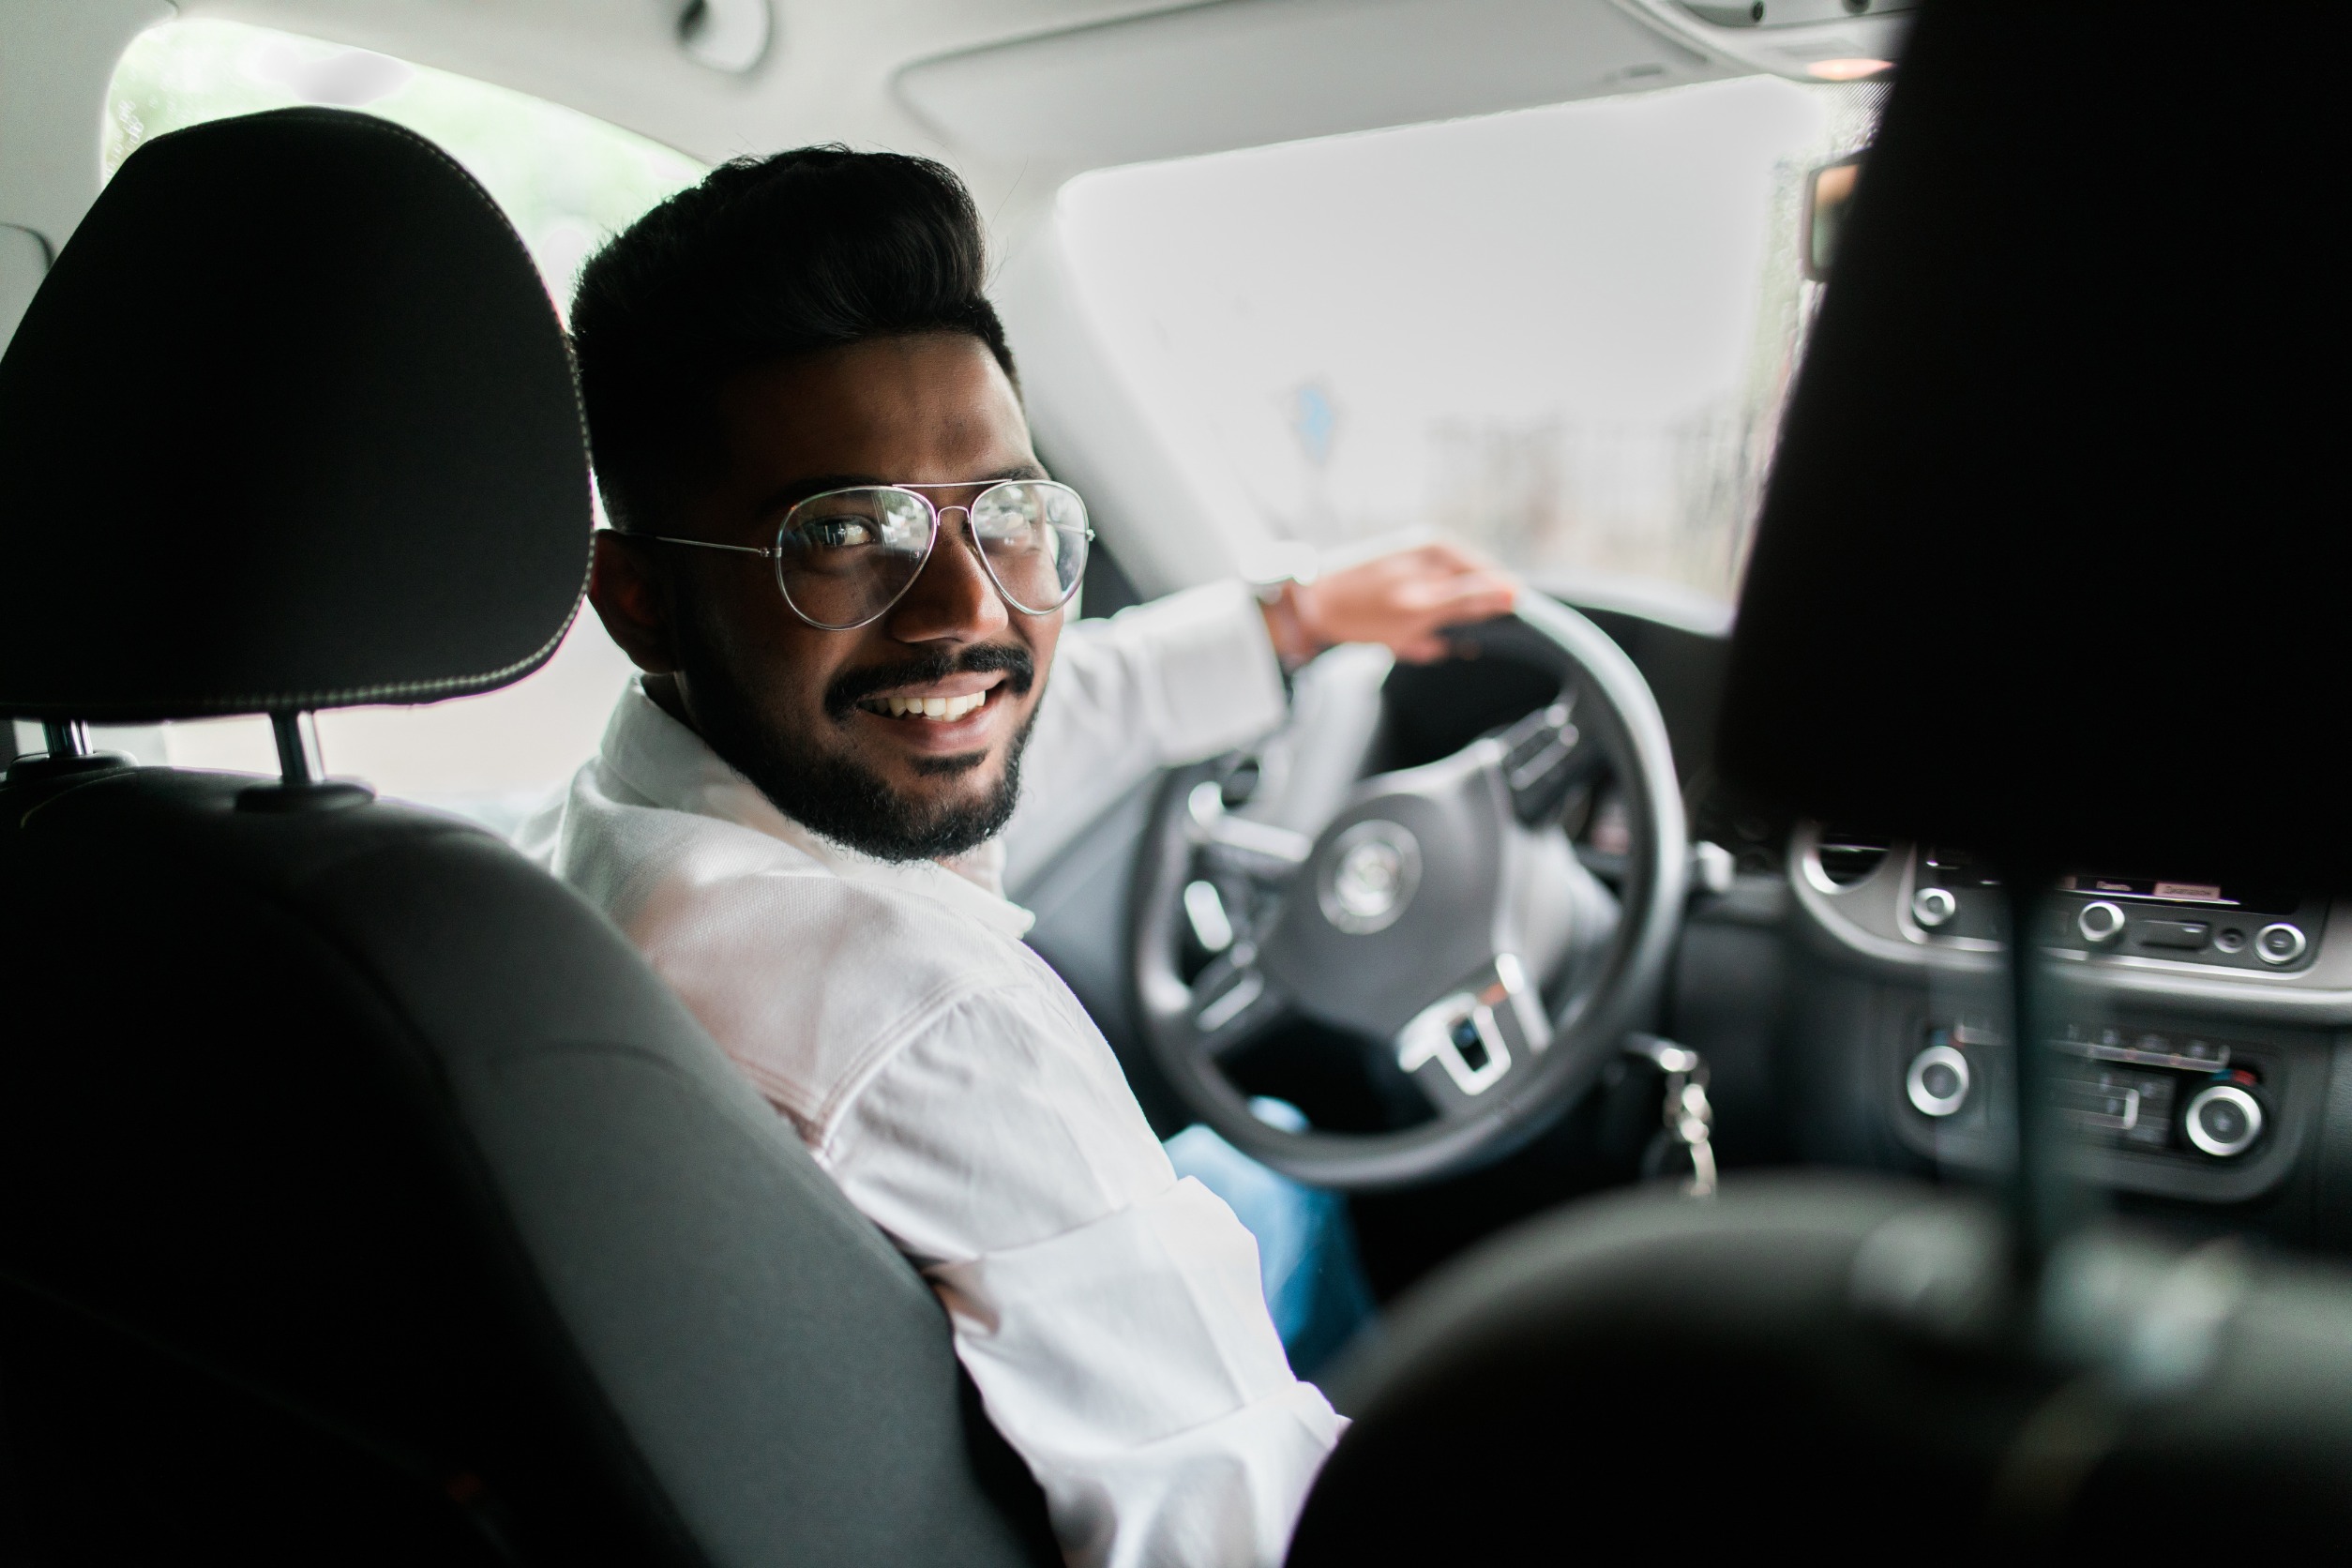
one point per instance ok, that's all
(2196, 1029)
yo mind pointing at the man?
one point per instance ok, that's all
(843, 573)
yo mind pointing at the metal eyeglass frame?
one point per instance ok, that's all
(774, 552)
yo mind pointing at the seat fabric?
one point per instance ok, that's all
(1807, 1364)
(365, 1197)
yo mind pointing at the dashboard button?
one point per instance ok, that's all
(2188, 934)
(1934, 906)
(2279, 943)
(2099, 922)
(1938, 1083)
(2232, 940)
(2223, 1121)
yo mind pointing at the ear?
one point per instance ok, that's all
(626, 585)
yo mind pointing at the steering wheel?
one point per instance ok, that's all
(1437, 912)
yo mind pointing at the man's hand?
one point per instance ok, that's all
(1402, 599)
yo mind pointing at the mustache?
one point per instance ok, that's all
(852, 686)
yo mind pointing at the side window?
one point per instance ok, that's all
(566, 181)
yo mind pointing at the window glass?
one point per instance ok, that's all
(566, 181)
(1562, 334)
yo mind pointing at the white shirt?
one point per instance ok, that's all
(946, 1078)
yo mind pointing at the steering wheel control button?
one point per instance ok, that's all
(1541, 763)
(1938, 1083)
(2280, 943)
(1463, 1035)
(1231, 1002)
(1474, 1034)
(1204, 909)
(2223, 1121)
(1470, 1043)
(2099, 922)
(2188, 934)
(1934, 907)
(1369, 877)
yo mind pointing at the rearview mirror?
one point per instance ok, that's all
(1828, 190)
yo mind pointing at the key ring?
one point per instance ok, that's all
(1689, 1118)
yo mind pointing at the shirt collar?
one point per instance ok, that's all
(670, 766)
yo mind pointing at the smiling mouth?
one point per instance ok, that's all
(944, 709)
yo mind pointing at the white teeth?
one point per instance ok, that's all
(933, 707)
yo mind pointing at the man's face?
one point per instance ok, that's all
(803, 713)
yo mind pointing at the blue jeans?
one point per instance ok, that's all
(1306, 1252)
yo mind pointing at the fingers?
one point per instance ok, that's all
(1424, 650)
(1462, 605)
(1404, 599)
(1471, 598)
(1440, 557)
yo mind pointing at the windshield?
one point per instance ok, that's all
(1563, 335)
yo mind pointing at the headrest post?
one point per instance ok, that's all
(300, 764)
(2046, 1201)
(69, 738)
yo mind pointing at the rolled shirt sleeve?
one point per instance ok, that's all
(1109, 1314)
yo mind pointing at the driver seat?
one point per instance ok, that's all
(363, 1196)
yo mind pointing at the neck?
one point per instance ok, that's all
(669, 697)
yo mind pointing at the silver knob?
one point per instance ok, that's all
(2223, 1121)
(2280, 943)
(1933, 906)
(2100, 921)
(1938, 1083)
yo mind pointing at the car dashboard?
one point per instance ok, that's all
(2195, 1032)
(1850, 998)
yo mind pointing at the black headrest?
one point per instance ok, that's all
(2050, 566)
(290, 425)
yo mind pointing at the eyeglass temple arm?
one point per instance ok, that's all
(763, 552)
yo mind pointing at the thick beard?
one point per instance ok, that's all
(834, 795)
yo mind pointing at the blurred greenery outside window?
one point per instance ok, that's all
(566, 181)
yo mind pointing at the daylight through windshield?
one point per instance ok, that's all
(1563, 335)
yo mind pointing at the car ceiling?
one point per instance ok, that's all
(1020, 94)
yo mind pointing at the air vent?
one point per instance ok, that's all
(1848, 858)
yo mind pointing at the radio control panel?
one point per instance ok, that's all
(2194, 1032)
(2253, 929)
(2165, 1110)
(2186, 922)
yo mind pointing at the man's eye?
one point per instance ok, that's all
(836, 533)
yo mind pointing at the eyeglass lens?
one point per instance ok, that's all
(846, 556)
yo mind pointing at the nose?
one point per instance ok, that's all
(953, 599)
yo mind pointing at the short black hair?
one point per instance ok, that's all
(765, 259)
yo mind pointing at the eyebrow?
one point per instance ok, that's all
(798, 490)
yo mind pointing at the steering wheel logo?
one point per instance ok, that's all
(1369, 877)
